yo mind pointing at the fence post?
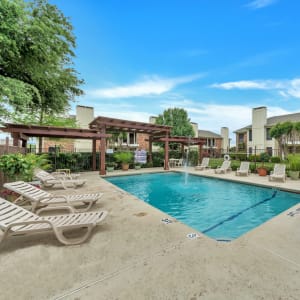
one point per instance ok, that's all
(255, 157)
(6, 145)
(55, 158)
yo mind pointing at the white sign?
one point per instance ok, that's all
(109, 151)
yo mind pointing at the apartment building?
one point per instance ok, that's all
(215, 143)
(256, 136)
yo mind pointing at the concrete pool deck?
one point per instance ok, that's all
(133, 255)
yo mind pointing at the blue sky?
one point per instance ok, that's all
(215, 59)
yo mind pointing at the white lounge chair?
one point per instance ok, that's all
(49, 180)
(40, 198)
(278, 173)
(15, 220)
(243, 169)
(204, 164)
(224, 168)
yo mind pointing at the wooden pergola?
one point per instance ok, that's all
(21, 132)
(104, 124)
(99, 129)
(157, 133)
(184, 141)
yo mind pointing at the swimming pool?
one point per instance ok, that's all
(223, 210)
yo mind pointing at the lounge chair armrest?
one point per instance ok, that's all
(28, 223)
(54, 197)
(70, 209)
(59, 173)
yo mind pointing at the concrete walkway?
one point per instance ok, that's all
(133, 255)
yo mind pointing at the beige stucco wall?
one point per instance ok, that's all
(225, 136)
(195, 128)
(84, 115)
(259, 120)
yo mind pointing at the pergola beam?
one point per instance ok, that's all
(57, 132)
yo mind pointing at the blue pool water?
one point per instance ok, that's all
(220, 209)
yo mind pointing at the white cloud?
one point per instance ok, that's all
(286, 88)
(214, 116)
(294, 88)
(243, 84)
(256, 4)
(153, 85)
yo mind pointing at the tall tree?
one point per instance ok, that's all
(178, 118)
(282, 133)
(36, 51)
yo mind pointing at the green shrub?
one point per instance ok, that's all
(294, 162)
(275, 159)
(254, 158)
(215, 162)
(235, 165)
(193, 158)
(239, 156)
(264, 157)
(158, 159)
(18, 166)
(124, 157)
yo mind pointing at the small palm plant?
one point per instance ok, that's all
(125, 158)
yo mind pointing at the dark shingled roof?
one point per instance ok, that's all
(279, 119)
(208, 134)
(274, 120)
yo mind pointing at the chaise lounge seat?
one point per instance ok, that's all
(49, 180)
(40, 198)
(204, 164)
(15, 220)
(278, 173)
(243, 169)
(224, 168)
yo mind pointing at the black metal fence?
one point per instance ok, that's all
(83, 161)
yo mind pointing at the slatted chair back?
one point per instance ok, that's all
(244, 167)
(279, 169)
(27, 190)
(11, 213)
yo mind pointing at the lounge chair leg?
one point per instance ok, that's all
(86, 208)
(3, 235)
(59, 233)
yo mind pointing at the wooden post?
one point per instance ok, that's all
(15, 140)
(200, 154)
(94, 155)
(6, 145)
(102, 151)
(166, 167)
(150, 148)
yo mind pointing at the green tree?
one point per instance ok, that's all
(61, 120)
(178, 118)
(36, 51)
(282, 132)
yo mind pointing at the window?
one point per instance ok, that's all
(210, 142)
(250, 150)
(250, 135)
(269, 150)
(132, 138)
(241, 138)
(268, 134)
